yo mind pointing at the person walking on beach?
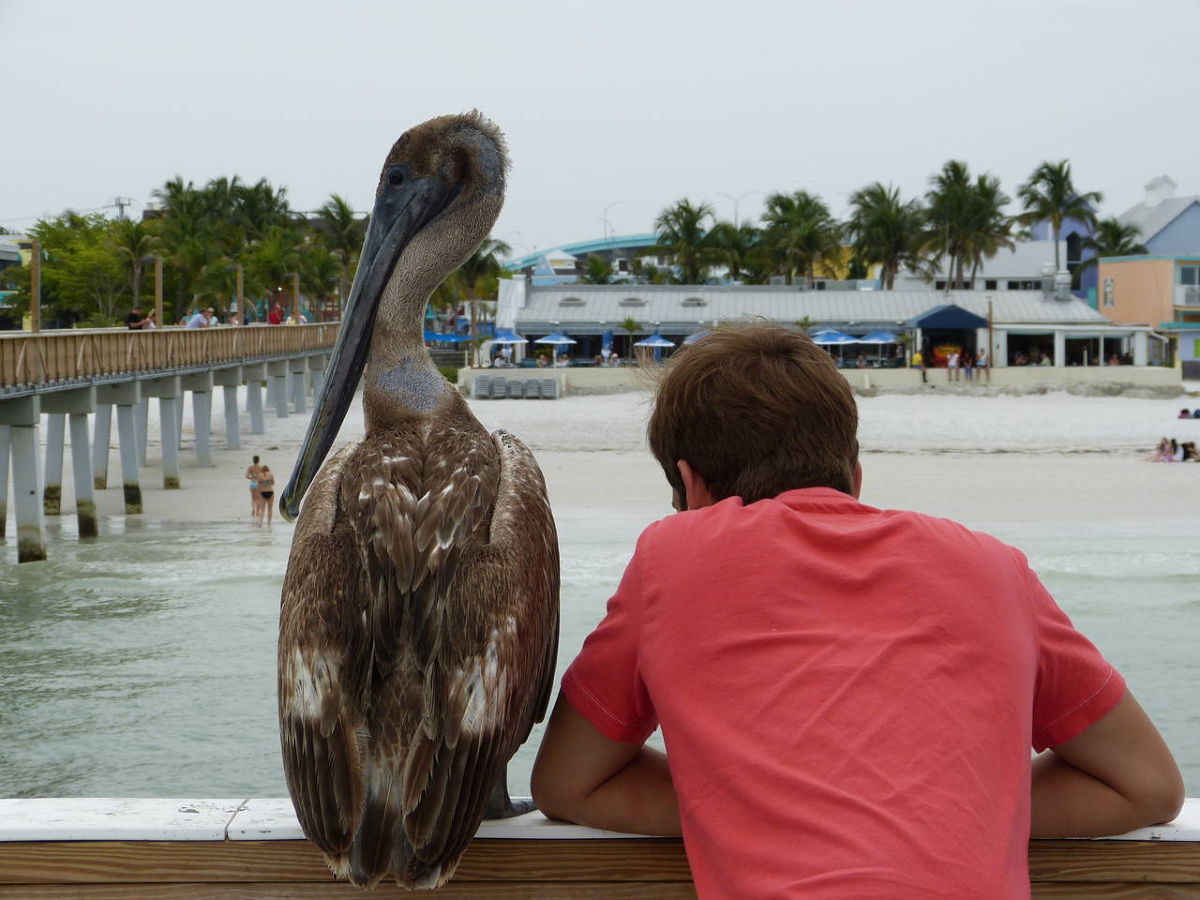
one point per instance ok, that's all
(253, 472)
(843, 719)
(918, 361)
(266, 491)
(952, 366)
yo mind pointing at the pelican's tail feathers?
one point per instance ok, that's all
(380, 846)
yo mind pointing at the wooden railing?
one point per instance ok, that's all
(53, 356)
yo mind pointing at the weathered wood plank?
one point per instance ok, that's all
(1092, 890)
(1115, 861)
(270, 891)
(295, 861)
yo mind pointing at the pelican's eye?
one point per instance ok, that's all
(396, 177)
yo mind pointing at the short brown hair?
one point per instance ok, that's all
(756, 410)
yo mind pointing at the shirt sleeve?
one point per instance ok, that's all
(1076, 685)
(604, 683)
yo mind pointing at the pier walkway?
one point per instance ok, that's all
(75, 378)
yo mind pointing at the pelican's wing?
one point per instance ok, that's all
(464, 569)
(498, 687)
(322, 670)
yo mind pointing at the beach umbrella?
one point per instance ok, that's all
(878, 337)
(556, 338)
(655, 340)
(507, 336)
(832, 336)
(692, 338)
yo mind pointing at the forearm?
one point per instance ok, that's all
(1068, 802)
(639, 798)
(582, 776)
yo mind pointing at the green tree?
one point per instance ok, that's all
(134, 242)
(734, 246)
(1111, 238)
(989, 229)
(886, 231)
(82, 278)
(948, 217)
(342, 232)
(801, 232)
(1050, 195)
(597, 270)
(684, 236)
(631, 326)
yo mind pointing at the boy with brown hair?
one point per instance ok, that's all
(841, 718)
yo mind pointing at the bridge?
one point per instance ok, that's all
(69, 376)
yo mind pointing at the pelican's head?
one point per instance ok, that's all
(439, 193)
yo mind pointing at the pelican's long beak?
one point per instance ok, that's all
(403, 206)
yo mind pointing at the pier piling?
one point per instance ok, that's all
(5, 442)
(23, 418)
(101, 438)
(56, 429)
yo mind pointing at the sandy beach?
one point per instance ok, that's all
(982, 460)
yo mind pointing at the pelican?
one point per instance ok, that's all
(419, 617)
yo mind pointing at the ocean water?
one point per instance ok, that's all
(143, 664)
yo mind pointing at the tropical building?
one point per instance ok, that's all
(1169, 225)
(1161, 291)
(1023, 324)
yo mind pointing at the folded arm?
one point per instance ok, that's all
(582, 776)
(1116, 776)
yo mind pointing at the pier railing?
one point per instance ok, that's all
(254, 849)
(72, 355)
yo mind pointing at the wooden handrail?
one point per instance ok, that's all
(76, 354)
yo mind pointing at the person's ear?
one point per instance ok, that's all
(857, 480)
(695, 491)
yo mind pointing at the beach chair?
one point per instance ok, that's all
(499, 389)
(533, 388)
(549, 389)
(481, 387)
(516, 388)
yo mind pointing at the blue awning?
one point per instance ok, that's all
(948, 316)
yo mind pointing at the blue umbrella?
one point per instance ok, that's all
(556, 338)
(692, 338)
(832, 336)
(507, 336)
(878, 337)
(655, 340)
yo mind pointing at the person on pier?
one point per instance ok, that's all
(842, 717)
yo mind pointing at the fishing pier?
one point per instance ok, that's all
(71, 375)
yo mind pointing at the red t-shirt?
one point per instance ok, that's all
(848, 695)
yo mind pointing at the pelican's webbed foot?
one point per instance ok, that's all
(501, 806)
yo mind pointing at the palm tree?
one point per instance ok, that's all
(597, 270)
(342, 233)
(885, 230)
(989, 229)
(800, 232)
(631, 326)
(1050, 195)
(948, 216)
(135, 241)
(683, 235)
(1111, 238)
(733, 245)
(481, 270)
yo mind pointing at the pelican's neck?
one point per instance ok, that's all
(400, 380)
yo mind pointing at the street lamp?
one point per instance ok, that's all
(735, 201)
(604, 216)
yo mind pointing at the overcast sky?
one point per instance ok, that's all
(611, 108)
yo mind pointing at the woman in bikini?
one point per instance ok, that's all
(252, 473)
(266, 490)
